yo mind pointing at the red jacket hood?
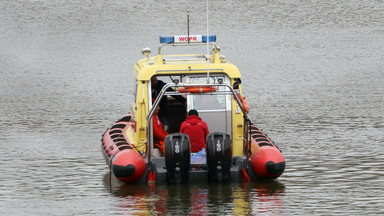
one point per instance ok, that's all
(193, 119)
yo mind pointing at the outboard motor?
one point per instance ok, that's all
(219, 156)
(177, 157)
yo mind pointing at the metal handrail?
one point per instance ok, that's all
(170, 85)
(188, 44)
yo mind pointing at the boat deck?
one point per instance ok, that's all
(197, 172)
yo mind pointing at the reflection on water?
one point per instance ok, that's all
(197, 199)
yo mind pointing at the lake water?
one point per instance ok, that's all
(313, 74)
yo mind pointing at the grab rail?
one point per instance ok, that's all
(216, 48)
(162, 93)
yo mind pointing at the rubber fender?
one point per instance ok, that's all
(219, 156)
(177, 157)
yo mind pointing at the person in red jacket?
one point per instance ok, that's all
(196, 129)
(158, 130)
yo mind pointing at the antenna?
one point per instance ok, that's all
(207, 42)
(188, 25)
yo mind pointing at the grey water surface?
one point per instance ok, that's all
(313, 75)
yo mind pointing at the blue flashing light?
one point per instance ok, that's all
(211, 38)
(167, 39)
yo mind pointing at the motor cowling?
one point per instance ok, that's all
(177, 157)
(219, 156)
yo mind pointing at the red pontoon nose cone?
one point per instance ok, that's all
(128, 166)
(268, 163)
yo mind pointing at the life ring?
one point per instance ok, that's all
(197, 89)
(244, 103)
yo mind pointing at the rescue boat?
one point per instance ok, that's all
(235, 149)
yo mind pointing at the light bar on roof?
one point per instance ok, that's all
(183, 39)
(209, 38)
